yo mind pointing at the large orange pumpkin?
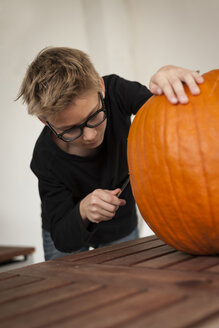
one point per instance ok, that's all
(173, 158)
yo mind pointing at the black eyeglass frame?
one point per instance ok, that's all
(81, 126)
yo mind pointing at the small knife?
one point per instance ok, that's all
(125, 184)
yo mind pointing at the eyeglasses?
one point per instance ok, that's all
(76, 131)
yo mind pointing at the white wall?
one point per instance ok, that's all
(132, 38)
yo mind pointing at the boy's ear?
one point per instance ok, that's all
(103, 86)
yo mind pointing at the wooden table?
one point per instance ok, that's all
(142, 283)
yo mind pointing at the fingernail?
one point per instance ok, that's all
(184, 99)
(159, 91)
(200, 79)
(173, 100)
(196, 90)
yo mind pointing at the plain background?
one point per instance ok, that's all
(132, 38)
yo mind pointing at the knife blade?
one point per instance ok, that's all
(125, 184)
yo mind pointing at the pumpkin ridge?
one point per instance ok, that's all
(168, 226)
(143, 167)
(132, 142)
(208, 193)
(178, 197)
(176, 200)
(161, 214)
(146, 170)
(214, 86)
(135, 171)
(182, 179)
(184, 194)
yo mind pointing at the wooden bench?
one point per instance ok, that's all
(13, 256)
(136, 284)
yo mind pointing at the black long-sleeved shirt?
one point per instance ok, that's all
(64, 179)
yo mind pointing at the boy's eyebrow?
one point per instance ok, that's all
(71, 126)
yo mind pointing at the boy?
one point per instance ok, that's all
(80, 156)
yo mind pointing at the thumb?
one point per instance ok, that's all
(116, 191)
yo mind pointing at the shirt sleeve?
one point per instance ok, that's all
(62, 215)
(130, 95)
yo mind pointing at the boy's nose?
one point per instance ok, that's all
(89, 134)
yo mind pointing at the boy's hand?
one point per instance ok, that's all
(169, 80)
(100, 205)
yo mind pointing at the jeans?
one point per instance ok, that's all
(51, 253)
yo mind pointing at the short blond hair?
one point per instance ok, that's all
(55, 78)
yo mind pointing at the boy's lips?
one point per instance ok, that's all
(91, 143)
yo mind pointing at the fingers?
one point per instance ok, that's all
(155, 89)
(170, 80)
(175, 92)
(172, 89)
(98, 214)
(100, 205)
(111, 197)
(198, 78)
(192, 80)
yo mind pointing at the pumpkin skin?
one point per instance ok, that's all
(173, 159)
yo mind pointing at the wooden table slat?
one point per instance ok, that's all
(210, 322)
(72, 306)
(121, 252)
(36, 287)
(8, 275)
(132, 259)
(214, 269)
(181, 314)
(165, 261)
(142, 242)
(16, 281)
(115, 315)
(196, 263)
(36, 301)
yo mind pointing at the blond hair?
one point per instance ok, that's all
(55, 78)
